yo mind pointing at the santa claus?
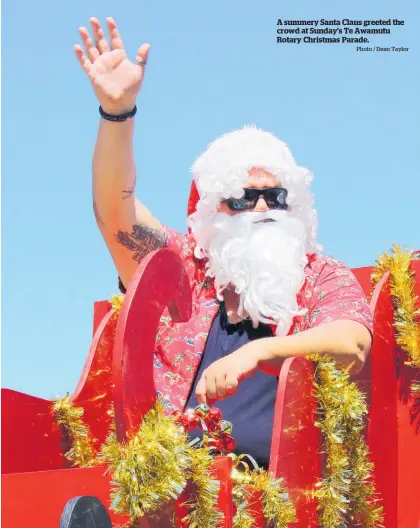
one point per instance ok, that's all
(261, 290)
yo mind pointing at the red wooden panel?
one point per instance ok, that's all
(100, 309)
(383, 431)
(94, 389)
(159, 281)
(363, 276)
(408, 412)
(394, 436)
(296, 442)
(222, 469)
(36, 500)
(30, 439)
(255, 508)
(28, 421)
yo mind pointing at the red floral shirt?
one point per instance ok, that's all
(330, 292)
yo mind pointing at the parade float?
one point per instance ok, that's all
(345, 450)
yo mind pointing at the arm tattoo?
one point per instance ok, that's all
(129, 192)
(141, 241)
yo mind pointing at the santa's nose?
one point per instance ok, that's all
(261, 205)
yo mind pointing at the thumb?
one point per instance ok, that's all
(143, 52)
(200, 391)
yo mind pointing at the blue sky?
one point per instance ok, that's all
(351, 117)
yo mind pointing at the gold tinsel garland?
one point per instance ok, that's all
(276, 504)
(364, 506)
(243, 516)
(277, 507)
(406, 304)
(70, 418)
(347, 488)
(152, 469)
(203, 504)
(116, 302)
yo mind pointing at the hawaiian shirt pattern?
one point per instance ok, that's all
(330, 292)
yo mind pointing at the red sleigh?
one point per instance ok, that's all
(35, 473)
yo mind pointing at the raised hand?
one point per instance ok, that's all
(115, 79)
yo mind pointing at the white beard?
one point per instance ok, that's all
(265, 262)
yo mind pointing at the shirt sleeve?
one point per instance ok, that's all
(181, 243)
(337, 295)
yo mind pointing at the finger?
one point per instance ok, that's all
(200, 391)
(100, 39)
(231, 383)
(114, 34)
(91, 50)
(143, 53)
(81, 57)
(211, 390)
(221, 386)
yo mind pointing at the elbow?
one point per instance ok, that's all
(357, 354)
(356, 346)
(107, 214)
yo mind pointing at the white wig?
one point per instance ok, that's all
(222, 170)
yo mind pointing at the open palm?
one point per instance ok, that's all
(115, 79)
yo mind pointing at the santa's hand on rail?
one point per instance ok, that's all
(116, 80)
(221, 378)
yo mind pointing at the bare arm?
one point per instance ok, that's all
(129, 229)
(348, 342)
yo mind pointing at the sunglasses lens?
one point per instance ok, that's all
(281, 199)
(275, 199)
(239, 204)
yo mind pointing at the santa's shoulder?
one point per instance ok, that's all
(316, 261)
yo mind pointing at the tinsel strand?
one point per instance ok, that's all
(366, 509)
(70, 417)
(150, 470)
(277, 507)
(203, 505)
(116, 303)
(406, 304)
(347, 488)
(276, 504)
(333, 490)
(243, 516)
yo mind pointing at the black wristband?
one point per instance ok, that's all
(118, 118)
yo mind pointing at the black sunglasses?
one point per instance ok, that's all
(275, 198)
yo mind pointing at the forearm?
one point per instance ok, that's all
(114, 174)
(347, 341)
